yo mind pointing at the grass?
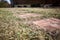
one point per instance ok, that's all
(13, 28)
(10, 29)
(51, 12)
(6, 22)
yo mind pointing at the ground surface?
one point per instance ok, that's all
(35, 18)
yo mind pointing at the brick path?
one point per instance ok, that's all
(50, 24)
(27, 15)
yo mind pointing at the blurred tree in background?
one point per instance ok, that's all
(4, 4)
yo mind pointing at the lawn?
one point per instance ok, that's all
(16, 23)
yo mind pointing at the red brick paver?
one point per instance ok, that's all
(28, 15)
(50, 24)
